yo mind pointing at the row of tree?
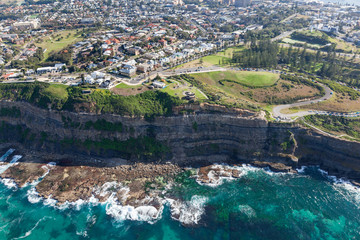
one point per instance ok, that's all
(260, 54)
(328, 63)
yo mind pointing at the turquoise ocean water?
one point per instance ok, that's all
(258, 205)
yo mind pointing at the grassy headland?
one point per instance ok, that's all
(60, 97)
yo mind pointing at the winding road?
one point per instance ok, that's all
(277, 110)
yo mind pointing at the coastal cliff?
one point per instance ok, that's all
(195, 138)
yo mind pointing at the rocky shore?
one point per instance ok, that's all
(73, 183)
(130, 191)
(66, 161)
(54, 176)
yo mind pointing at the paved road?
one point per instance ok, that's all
(285, 34)
(277, 110)
(167, 73)
(193, 70)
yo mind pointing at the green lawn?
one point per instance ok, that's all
(343, 46)
(125, 86)
(216, 60)
(222, 57)
(51, 43)
(219, 59)
(293, 41)
(255, 79)
(57, 91)
(230, 51)
(179, 91)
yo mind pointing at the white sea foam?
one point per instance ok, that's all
(219, 174)
(82, 233)
(143, 213)
(268, 171)
(52, 164)
(188, 212)
(50, 202)
(302, 169)
(217, 178)
(47, 169)
(113, 207)
(12, 162)
(6, 155)
(9, 183)
(93, 200)
(110, 187)
(33, 196)
(344, 187)
(77, 205)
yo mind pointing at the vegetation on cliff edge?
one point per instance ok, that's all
(60, 97)
(337, 124)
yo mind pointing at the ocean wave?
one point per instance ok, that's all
(218, 174)
(77, 205)
(142, 213)
(301, 170)
(188, 212)
(82, 233)
(222, 172)
(49, 201)
(47, 168)
(33, 196)
(12, 162)
(9, 183)
(344, 187)
(113, 206)
(110, 187)
(7, 154)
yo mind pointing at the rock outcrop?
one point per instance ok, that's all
(193, 139)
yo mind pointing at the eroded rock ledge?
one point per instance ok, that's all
(206, 136)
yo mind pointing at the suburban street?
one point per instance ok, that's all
(284, 35)
(17, 56)
(170, 72)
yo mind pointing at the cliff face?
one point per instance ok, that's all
(192, 139)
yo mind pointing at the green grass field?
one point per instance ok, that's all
(219, 59)
(292, 41)
(255, 79)
(51, 43)
(341, 45)
(216, 60)
(125, 86)
(230, 51)
(57, 91)
(173, 90)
